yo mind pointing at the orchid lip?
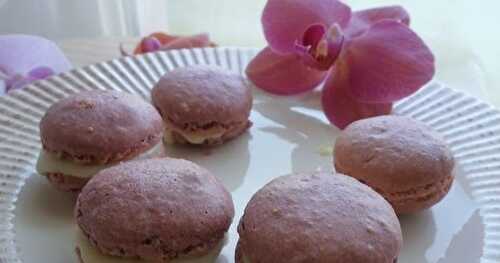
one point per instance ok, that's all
(319, 47)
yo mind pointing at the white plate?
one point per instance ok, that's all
(289, 134)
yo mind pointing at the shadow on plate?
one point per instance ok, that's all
(44, 220)
(51, 206)
(461, 248)
(229, 162)
(302, 124)
(419, 233)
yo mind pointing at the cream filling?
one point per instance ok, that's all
(91, 255)
(51, 163)
(193, 137)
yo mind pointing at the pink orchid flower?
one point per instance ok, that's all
(25, 59)
(367, 59)
(161, 41)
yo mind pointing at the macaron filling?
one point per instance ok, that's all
(193, 137)
(89, 254)
(201, 135)
(52, 163)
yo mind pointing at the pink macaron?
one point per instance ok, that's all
(318, 217)
(401, 158)
(203, 105)
(156, 210)
(92, 130)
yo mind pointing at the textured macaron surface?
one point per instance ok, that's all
(156, 209)
(200, 96)
(398, 156)
(100, 126)
(320, 217)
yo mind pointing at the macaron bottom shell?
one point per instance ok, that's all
(66, 183)
(401, 158)
(418, 199)
(70, 176)
(159, 209)
(318, 217)
(89, 254)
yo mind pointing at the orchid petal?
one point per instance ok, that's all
(340, 108)
(364, 19)
(41, 73)
(150, 44)
(387, 63)
(5, 71)
(173, 42)
(285, 22)
(195, 41)
(22, 53)
(162, 37)
(321, 48)
(283, 75)
(13, 79)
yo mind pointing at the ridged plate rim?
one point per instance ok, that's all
(472, 130)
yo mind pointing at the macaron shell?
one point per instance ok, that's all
(155, 209)
(420, 198)
(402, 159)
(66, 183)
(200, 96)
(321, 218)
(393, 153)
(100, 127)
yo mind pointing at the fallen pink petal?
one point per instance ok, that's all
(162, 41)
(41, 72)
(25, 59)
(22, 53)
(195, 41)
(151, 44)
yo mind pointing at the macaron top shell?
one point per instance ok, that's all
(393, 153)
(321, 217)
(100, 126)
(203, 95)
(154, 209)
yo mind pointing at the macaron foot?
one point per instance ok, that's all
(66, 183)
